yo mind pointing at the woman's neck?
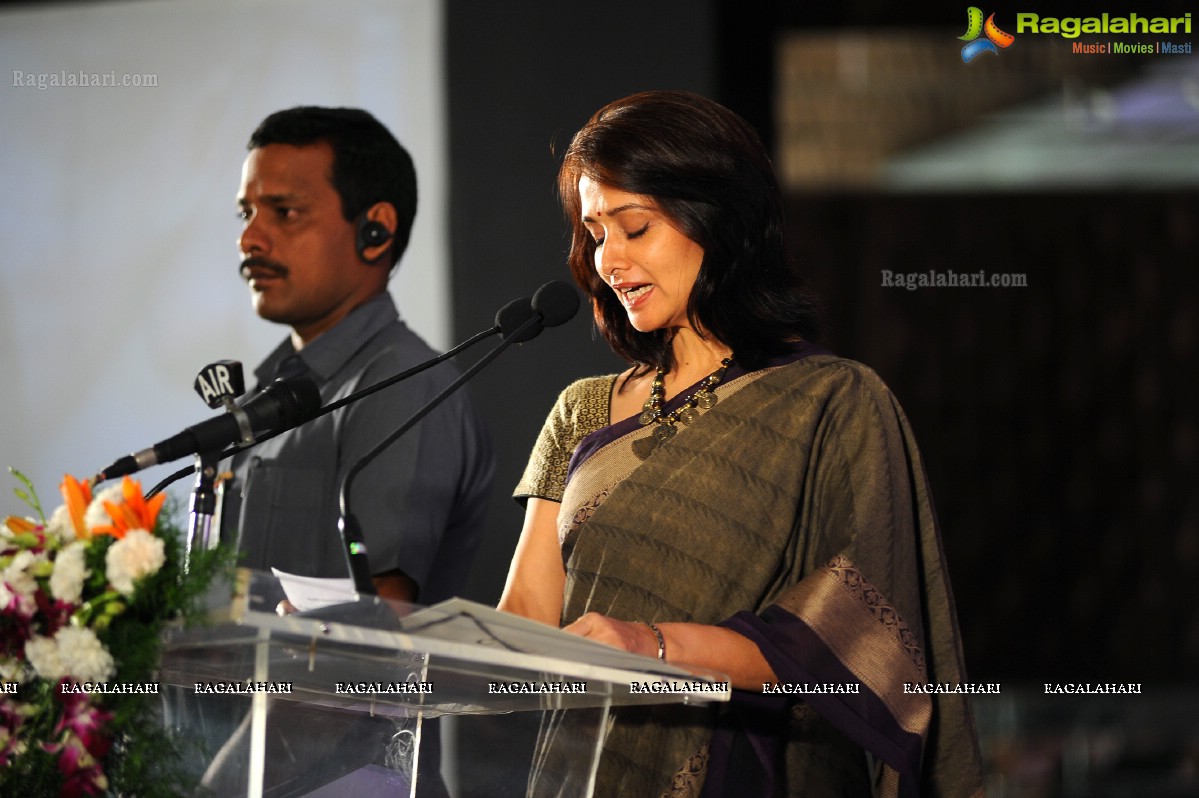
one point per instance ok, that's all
(694, 359)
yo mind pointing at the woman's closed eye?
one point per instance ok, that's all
(599, 242)
(629, 235)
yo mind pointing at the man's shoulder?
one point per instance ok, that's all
(398, 338)
(394, 348)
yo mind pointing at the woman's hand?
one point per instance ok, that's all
(636, 638)
(690, 645)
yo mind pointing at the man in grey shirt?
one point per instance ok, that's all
(327, 200)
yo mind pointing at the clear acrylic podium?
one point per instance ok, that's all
(340, 701)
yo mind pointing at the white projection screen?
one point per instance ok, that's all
(118, 270)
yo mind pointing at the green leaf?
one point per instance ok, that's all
(29, 495)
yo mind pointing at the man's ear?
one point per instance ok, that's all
(374, 232)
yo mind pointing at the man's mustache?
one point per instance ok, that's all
(259, 265)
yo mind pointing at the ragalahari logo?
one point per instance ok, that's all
(995, 38)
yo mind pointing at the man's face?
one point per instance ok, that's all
(297, 250)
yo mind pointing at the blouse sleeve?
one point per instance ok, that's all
(581, 409)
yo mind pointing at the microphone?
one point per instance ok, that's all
(512, 316)
(556, 302)
(285, 403)
(553, 304)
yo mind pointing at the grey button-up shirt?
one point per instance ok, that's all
(420, 504)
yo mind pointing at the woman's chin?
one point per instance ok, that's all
(642, 324)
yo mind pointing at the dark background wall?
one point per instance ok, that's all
(1057, 421)
(523, 77)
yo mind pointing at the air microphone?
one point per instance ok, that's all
(285, 403)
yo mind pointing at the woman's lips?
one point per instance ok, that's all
(633, 295)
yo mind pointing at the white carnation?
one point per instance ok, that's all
(96, 515)
(11, 669)
(66, 583)
(60, 525)
(82, 654)
(19, 573)
(42, 653)
(134, 556)
(74, 651)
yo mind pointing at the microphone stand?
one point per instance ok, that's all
(348, 526)
(202, 507)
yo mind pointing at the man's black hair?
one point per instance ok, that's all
(369, 164)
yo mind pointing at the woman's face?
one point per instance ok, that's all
(640, 255)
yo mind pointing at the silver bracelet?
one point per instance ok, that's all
(661, 640)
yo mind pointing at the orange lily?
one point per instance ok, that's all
(19, 525)
(134, 512)
(77, 495)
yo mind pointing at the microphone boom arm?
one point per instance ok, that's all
(354, 546)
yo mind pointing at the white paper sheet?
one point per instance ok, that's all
(313, 592)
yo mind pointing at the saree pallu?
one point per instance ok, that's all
(796, 512)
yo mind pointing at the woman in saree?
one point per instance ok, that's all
(739, 500)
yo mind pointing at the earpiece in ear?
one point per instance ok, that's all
(372, 234)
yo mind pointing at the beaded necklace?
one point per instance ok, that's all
(688, 411)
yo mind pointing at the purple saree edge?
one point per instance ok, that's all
(862, 717)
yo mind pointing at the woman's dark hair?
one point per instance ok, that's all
(369, 164)
(708, 172)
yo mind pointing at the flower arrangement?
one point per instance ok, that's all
(84, 598)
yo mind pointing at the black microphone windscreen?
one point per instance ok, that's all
(557, 302)
(298, 399)
(512, 316)
(283, 404)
